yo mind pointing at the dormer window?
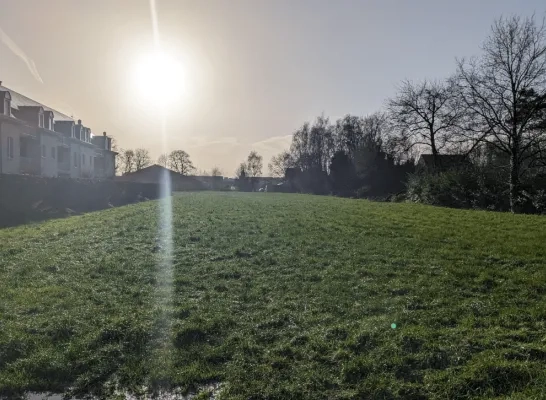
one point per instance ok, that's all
(41, 120)
(50, 121)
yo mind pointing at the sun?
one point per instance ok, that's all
(159, 77)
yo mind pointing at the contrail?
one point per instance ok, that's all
(21, 54)
(153, 13)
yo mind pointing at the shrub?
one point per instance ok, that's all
(469, 187)
(398, 197)
(539, 201)
(454, 188)
(363, 192)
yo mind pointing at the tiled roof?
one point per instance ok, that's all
(18, 100)
(154, 167)
(444, 159)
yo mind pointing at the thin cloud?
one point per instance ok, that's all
(274, 143)
(21, 54)
(203, 142)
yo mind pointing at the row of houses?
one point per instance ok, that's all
(38, 140)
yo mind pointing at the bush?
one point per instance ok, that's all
(468, 187)
(539, 201)
(363, 192)
(453, 188)
(398, 197)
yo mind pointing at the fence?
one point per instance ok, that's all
(30, 198)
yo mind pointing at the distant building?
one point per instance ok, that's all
(261, 182)
(38, 140)
(156, 174)
(443, 162)
(212, 182)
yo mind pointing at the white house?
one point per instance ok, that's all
(37, 140)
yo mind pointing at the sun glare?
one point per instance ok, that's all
(160, 77)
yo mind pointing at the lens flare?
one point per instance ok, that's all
(165, 209)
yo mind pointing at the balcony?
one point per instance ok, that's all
(30, 165)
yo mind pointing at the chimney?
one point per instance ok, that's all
(0, 83)
(104, 134)
(79, 122)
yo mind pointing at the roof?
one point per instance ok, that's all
(154, 174)
(154, 168)
(446, 160)
(19, 100)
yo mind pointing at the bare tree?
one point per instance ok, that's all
(127, 161)
(180, 162)
(505, 92)
(313, 145)
(348, 134)
(321, 143)
(215, 171)
(142, 159)
(254, 164)
(425, 114)
(241, 173)
(374, 130)
(244, 183)
(279, 164)
(163, 160)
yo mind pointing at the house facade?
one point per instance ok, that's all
(37, 140)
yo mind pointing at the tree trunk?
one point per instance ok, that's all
(514, 182)
(434, 150)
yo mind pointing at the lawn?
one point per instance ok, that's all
(277, 296)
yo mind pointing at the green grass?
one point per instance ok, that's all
(277, 296)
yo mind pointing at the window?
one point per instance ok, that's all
(23, 148)
(53, 152)
(90, 160)
(7, 107)
(41, 121)
(10, 148)
(83, 159)
(43, 151)
(75, 160)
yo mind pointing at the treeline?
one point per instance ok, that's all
(491, 110)
(349, 157)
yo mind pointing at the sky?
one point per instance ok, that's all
(253, 70)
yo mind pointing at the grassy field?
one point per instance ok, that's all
(277, 296)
